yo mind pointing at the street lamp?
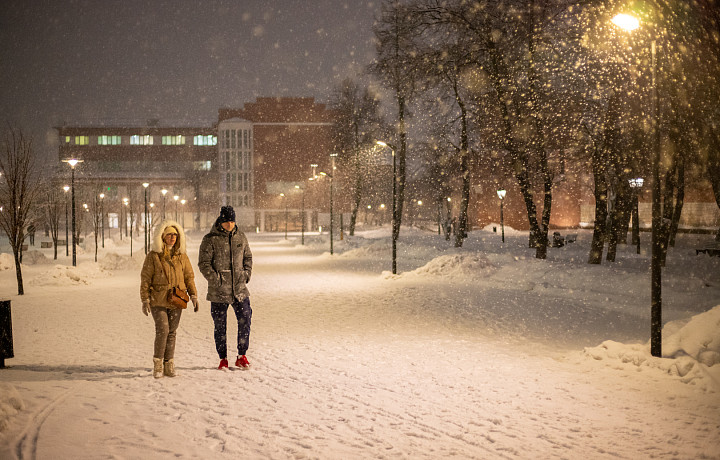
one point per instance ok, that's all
(126, 201)
(636, 184)
(164, 192)
(395, 229)
(332, 217)
(67, 240)
(302, 216)
(176, 198)
(85, 207)
(73, 162)
(182, 202)
(145, 216)
(501, 194)
(630, 23)
(283, 197)
(102, 217)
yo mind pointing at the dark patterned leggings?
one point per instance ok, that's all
(243, 313)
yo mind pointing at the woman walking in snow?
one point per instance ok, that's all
(166, 266)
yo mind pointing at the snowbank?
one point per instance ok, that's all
(34, 258)
(10, 404)
(113, 261)
(63, 275)
(691, 351)
(7, 261)
(471, 265)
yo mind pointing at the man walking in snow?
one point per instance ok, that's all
(226, 262)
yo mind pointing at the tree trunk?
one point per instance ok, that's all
(679, 202)
(599, 232)
(464, 169)
(400, 168)
(539, 137)
(17, 252)
(520, 162)
(618, 220)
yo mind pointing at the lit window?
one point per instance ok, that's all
(205, 140)
(202, 165)
(82, 140)
(109, 140)
(173, 140)
(141, 140)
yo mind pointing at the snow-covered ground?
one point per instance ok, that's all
(482, 352)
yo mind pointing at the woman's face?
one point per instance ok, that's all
(170, 239)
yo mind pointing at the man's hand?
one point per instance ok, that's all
(146, 307)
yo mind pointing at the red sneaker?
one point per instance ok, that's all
(242, 362)
(223, 364)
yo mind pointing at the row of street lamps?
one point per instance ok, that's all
(74, 162)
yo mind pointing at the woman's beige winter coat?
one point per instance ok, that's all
(154, 285)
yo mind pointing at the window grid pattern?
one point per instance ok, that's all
(109, 140)
(208, 140)
(141, 140)
(173, 140)
(235, 161)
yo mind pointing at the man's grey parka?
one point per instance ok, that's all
(226, 263)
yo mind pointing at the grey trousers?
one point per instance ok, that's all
(167, 321)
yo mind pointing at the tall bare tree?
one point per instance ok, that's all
(395, 33)
(19, 190)
(358, 125)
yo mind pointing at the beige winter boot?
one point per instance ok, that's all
(157, 368)
(170, 368)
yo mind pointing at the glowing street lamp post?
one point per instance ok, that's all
(102, 217)
(85, 207)
(67, 219)
(501, 194)
(636, 184)
(182, 202)
(332, 216)
(145, 217)
(126, 201)
(73, 162)
(302, 217)
(176, 198)
(164, 192)
(630, 23)
(284, 198)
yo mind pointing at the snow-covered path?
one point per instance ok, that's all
(346, 363)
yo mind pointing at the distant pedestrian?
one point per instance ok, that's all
(166, 266)
(226, 262)
(31, 233)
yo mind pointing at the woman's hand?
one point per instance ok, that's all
(195, 302)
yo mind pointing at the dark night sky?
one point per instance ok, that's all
(177, 60)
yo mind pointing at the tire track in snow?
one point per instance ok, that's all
(25, 447)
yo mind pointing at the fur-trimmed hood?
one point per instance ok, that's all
(157, 244)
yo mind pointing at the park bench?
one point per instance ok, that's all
(709, 251)
(559, 241)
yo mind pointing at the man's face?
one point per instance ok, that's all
(228, 226)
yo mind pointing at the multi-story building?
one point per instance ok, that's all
(176, 162)
(247, 159)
